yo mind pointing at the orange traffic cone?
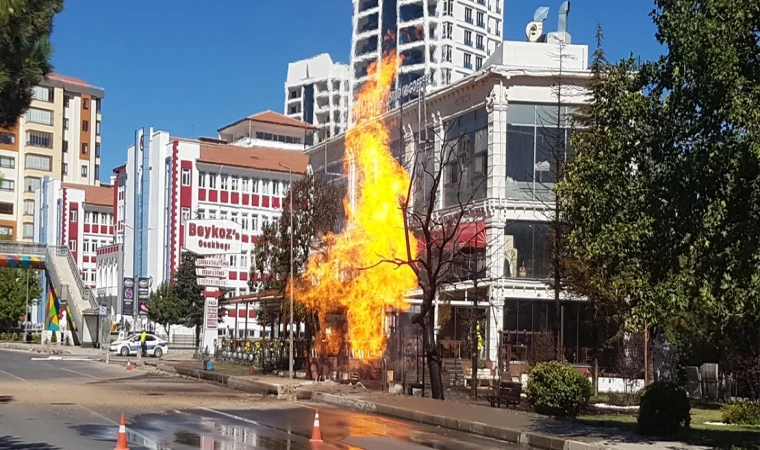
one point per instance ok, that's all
(121, 443)
(129, 365)
(316, 435)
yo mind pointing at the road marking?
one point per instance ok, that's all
(14, 376)
(79, 373)
(147, 440)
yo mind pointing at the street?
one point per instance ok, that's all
(75, 404)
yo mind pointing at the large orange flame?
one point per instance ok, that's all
(349, 276)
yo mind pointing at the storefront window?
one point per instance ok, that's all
(465, 178)
(526, 250)
(535, 147)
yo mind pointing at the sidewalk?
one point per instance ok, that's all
(527, 429)
(52, 349)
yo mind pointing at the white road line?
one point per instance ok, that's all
(79, 373)
(129, 430)
(14, 376)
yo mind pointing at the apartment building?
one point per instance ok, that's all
(440, 41)
(57, 137)
(316, 92)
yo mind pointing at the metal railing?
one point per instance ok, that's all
(23, 248)
(84, 291)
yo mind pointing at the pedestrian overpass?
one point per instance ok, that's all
(63, 290)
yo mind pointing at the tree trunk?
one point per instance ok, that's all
(433, 359)
(474, 354)
(198, 337)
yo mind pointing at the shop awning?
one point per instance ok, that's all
(467, 235)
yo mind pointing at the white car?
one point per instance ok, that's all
(131, 345)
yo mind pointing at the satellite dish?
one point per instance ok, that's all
(534, 30)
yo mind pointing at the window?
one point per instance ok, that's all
(468, 15)
(448, 30)
(185, 177)
(243, 260)
(212, 214)
(265, 187)
(66, 99)
(468, 38)
(448, 7)
(212, 181)
(43, 94)
(29, 207)
(73, 215)
(85, 103)
(245, 185)
(41, 116)
(85, 148)
(28, 230)
(445, 76)
(276, 188)
(7, 185)
(468, 61)
(234, 217)
(95, 217)
(85, 125)
(73, 245)
(39, 162)
(255, 185)
(201, 179)
(6, 231)
(97, 172)
(222, 215)
(87, 217)
(478, 62)
(185, 214)
(65, 168)
(84, 170)
(31, 184)
(244, 222)
(481, 23)
(446, 53)
(39, 139)
(86, 246)
(7, 138)
(65, 146)
(225, 182)
(201, 214)
(479, 42)
(233, 260)
(65, 123)
(97, 128)
(527, 251)
(7, 162)
(235, 182)
(98, 104)
(97, 149)
(255, 223)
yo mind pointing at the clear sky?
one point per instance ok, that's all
(192, 66)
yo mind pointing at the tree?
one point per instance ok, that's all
(165, 308)
(25, 51)
(13, 294)
(189, 294)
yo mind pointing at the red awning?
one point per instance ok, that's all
(467, 235)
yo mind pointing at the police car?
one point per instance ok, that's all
(131, 345)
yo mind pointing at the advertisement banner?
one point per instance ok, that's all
(212, 313)
(143, 295)
(213, 237)
(128, 297)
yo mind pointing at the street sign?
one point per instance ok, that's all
(102, 311)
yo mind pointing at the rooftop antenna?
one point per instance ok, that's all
(561, 35)
(535, 29)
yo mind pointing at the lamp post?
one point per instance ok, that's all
(290, 190)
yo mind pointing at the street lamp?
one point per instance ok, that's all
(290, 189)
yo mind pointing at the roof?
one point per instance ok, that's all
(94, 195)
(273, 118)
(68, 79)
(253, 157)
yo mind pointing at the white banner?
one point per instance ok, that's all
(212, 313)
(217, 282)
(212, 262)
(211, 273)
(213, 237)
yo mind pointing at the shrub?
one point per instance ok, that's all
(3, 336)
(37, 338)
(624, 398)
(556, 389)
(664, 409)
(53, 337)
(741, 413)
(14, 337)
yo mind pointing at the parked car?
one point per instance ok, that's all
(131, 345)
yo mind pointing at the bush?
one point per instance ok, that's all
(741, 413)
(37, 338)
(664, 409)
(624, 398)
(556, 389)
(14, 337)
(3, 337)
(53, 337)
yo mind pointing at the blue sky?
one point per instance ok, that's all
(190, 68)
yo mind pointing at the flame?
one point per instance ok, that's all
(349, 275)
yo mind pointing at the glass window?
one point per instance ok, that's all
(6, 208)
(255, 223)
(73, 245)
(235, 182)
(201, 179)
(85, 103)
(85, 148)
(212, 181)
(39, 139)
(185, 214)
(255, 185)
(245, 185)
(86, 246)
(65, 168)
(84, 171)
(87, 217)
(31, 184)
(7, 185)
(185, 177)
(28, 230)
(244, 222)
(526, 250)
(43, 94)
(223, 215)
(29, 207)
(201, 214)
(7, 162)
(85, 125)
(39, 162)
(73, 215)
(225, 182)
(6, 230)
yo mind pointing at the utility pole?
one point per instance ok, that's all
(290, 190)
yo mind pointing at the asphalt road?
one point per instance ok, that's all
(71, 404)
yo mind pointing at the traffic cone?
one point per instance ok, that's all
(129, 365)
(121, 443)
(316, 435)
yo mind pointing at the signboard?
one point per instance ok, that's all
(213, 237)
(212, 313)
(211, 273)
(102, 310)
(212, 262)
(218, 282)
(143, 295)
(128, 298)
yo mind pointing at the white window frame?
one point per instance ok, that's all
(83, 171)
(201, 179)
(73, 245)
(185, 214)
(186, 177)
(73, 216)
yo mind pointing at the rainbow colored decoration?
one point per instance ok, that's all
(52, 307)
(22, 262)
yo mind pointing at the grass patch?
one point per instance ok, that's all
(728, 437)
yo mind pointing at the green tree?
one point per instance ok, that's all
(25, 51)
(189, 294)
(13, 294)
(165, 308)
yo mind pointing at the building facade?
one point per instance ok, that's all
(57, 137)
(440, 41)
(316, 92)
(199, 181)
(499, 122)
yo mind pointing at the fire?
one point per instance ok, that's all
(350, 274)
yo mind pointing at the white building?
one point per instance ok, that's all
(500, 116)
(443, 40)
(316, 92)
